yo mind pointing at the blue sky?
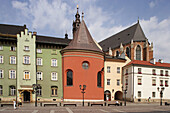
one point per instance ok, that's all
(103, 18)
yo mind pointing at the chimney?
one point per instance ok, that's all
(34, 33)
(160, 61)
(153, 61)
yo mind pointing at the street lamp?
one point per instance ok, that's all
(35, 87)
(83, 88)
(125, 92)
(161, 93)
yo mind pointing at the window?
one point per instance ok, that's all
(126, 83)
(118, 82)
(85, 65)
(153, 94)
(108, 81)
(117, 53)
(153, 82)
(166, 83)
(1, 73)
(139, 70)
(1, 90)
(128, 52)
(26, 75)
(99, 79)
(12, 74)
(54, 62)
(161, 73)
(1, 47)
(13, 48)
(54, 90)
(39, 91)
(154, 72)
(12, 90)
(54, 52)
(69, 78)
(166, 73)
(54, 76)
(161, 82)
(39, 51)
(138, 53)
(139, 81)
(118, 69)
(108, 69)
(39, 61)
(126, 72)
(12, 60)
(39, 75)
(26, 48)
(139, 93)
(1, 60)
(26, 60)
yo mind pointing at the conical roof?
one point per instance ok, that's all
(83, 40)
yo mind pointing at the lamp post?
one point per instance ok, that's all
(35, 87)
(161, 93)
(82, 91)
(125, 92)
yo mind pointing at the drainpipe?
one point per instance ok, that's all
(133, 82)
(16, 76)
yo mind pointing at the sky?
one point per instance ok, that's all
(103, 18)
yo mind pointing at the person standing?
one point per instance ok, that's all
(15, 107)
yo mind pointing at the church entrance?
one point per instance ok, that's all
(118, 95)
(107, 95)
(26, 96)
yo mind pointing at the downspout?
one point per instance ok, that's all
(16, 76)
(133, 83)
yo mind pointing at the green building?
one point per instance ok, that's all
(29, 61)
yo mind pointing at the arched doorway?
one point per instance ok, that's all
(26, 96)
(118, 95)
(107, 95)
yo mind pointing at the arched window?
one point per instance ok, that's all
(138, 53)
(69, 78)
(39, 91)
(54, 90)
(117, 53)
(128, 52)
(12, 90)
(99, 79)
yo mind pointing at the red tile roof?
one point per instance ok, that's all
(147, 63)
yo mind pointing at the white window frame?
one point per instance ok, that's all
(54, 76)
(54, 62)
(12, 74)
(14, 48)
(12, 60)
(118, 69)
(1, 90)
(1, 59)
(39, 61)
(108, 81)
(139, 94)
(1, 48)
(39, 75)
(25, 75)
(1, 73)
(12, 90)
(108, 69)
(26, 48)
(39, 91)
(26, 59)
(39, 50)
(118, 82)
(153, 94)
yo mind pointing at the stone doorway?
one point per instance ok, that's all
(118, 95)
(26, 97)
(107, 95)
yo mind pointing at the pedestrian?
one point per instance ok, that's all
(15, 107)
(149, 100)
(20, 102)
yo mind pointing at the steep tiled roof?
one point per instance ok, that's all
(147, 63)
(83, 40)
(134, 32)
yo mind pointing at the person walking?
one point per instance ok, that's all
(20, 102)
(14, 102)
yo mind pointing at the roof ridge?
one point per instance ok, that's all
(12, 25)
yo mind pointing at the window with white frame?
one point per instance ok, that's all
(12, 90)
(1, 47)
(13, 48)
(161, 82)
(139, 93)
(12, 60)
(166, 83)
(108, 81)
(26, 75)
(154, 72)
(1, 90)
(1, 59)
(54, 52)
(39, 50)
(108, 69)
(153, 82)
(139, 70)
(26, 59)
(39, 75)
(126, 73)
(161, 72)
(153, 94)
(54, 90)
(118, 82)
(118, 69)
(54, 76)
(1, 73)
(12, 74)
(166, 73)
(139, 81)
(39, 91)
(39, 61)
(26, 48)
(54, 62)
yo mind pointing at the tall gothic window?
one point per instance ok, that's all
(128, 52)
(138, 53)
(69, 78)
(99, 79)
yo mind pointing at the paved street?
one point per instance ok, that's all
(94, 109)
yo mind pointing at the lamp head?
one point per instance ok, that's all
(84, 86)
(80, 86)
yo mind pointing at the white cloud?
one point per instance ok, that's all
(152, 4)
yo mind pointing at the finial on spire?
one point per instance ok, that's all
(77, 6)
(82, 15)
(138, 19)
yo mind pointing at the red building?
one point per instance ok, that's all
(83, 63)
